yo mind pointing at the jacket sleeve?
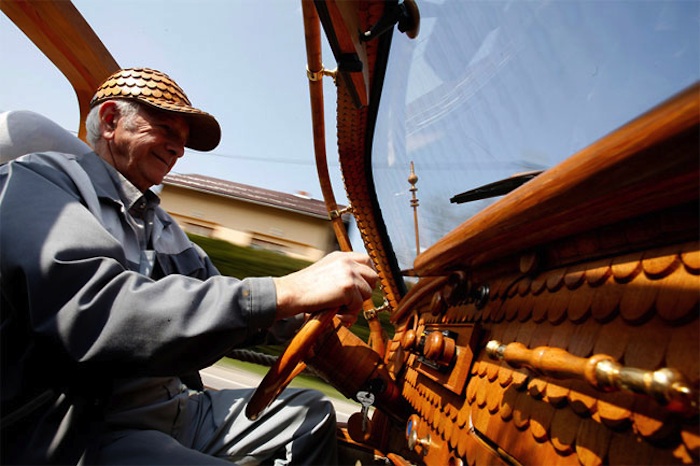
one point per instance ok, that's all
(68, 278)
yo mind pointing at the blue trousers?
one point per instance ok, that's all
(211, 428)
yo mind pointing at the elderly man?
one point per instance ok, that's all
(108, 310)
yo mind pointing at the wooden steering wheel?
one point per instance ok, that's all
(288, 365)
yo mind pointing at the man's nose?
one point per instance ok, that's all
(176, 149)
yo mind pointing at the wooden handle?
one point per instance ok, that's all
(554, 362)
(668, 386)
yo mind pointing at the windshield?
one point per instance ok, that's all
(490, 89)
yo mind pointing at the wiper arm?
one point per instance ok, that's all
(497, 188)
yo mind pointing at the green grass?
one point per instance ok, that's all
(241, 262)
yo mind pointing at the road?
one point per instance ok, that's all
(220, 377)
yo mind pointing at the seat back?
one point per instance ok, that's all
(23, 132)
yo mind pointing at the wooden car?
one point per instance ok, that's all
(545, 318)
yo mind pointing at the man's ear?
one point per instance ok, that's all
(109, 114)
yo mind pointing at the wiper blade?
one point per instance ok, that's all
(497, 188)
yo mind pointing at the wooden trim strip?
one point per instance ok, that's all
(59, 30)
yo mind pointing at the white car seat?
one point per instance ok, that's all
(23, 132)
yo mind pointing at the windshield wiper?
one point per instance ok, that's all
(497, 188)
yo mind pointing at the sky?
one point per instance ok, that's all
(240, 60)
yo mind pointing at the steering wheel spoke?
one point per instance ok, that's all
(288, 365)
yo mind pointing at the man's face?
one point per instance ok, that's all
(145, 146)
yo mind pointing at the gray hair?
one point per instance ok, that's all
(126, 108)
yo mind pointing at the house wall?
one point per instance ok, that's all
(248, 224)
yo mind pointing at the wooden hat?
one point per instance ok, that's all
(158, 90)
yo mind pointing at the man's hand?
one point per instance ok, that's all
(342, 280)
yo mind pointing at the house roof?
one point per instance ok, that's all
(290, 202)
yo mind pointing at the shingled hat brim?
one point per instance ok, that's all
(158, 90)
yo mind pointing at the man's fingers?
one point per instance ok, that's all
(338, 279)
(360, 258)
(370, 275)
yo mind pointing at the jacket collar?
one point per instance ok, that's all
(111, 184)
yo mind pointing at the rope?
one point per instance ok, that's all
(263, 359)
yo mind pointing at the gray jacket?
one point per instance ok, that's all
(87, 299)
